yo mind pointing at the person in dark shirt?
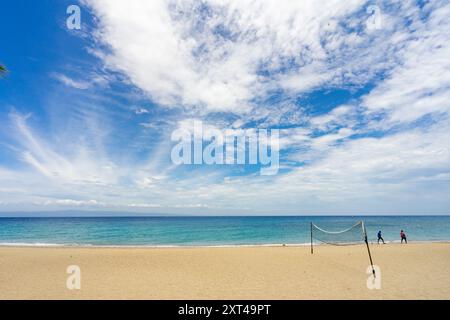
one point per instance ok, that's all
(380, 237)
(403, 236)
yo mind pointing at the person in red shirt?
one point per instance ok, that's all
(403, 236)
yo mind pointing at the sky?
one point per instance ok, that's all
(359, 91)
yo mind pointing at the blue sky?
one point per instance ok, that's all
(360, 91)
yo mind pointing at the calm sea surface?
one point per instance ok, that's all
(208, 231)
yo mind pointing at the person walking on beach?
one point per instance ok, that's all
(403, 236)
(380, 237)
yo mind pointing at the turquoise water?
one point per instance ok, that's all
(208, 231)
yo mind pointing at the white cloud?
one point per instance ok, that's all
(336, 117)
(78, 168)
(73, 203)
(140, 111)
(420, 85)
(77, 84)
(144, 205)
(211, 53)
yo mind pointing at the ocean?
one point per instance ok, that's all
(208, 231)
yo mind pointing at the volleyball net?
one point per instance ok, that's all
(355, 234)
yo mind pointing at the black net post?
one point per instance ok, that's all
(312, 250)
(368, 249)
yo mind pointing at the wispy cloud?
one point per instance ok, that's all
(77, 84)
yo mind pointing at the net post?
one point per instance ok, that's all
(368, 249)
(312, 250)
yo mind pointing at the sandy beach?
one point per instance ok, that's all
(413, 271)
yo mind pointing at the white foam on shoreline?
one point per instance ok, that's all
(27, 244)
(24, 244)
(75, 245)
